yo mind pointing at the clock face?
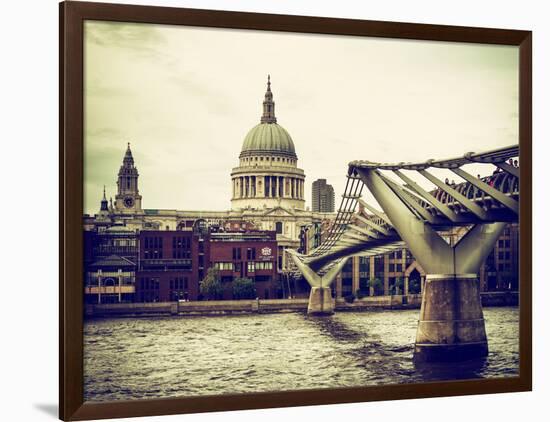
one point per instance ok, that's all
(128, 202)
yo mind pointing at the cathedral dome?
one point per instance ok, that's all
(268, 175)
(267, 138)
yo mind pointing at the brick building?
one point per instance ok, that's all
(252, 255)
(170, 265)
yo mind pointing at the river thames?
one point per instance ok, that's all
(188, 356)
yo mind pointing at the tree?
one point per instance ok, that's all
(414, 286)
(211, 287)
(244, 288)
(363, 288)
(378, 286)
(398, 286)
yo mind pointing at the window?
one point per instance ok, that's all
(250, 267)
(250, 254)
(379, 264)
(279, 227)
(153, 248)
(223, 266)
(181, 247)
(236, 254)
(264, 265)
(149, 289)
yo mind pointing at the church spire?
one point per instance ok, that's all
(269, 105)
(128, 160)
(104, 204)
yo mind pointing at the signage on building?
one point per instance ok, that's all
(266, 254)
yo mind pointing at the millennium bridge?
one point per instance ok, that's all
(451, 324)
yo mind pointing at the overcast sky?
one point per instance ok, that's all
(185, 98)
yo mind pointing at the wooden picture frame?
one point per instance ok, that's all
(71, 22)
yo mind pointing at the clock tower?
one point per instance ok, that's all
(128, 199)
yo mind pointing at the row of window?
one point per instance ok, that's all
(147, 283)
(179, 283)
(395, 268)
(109, 242)
(181, 247)
(280, 159)
(153, 283)
(151, 242)
(504, 243)
(181, 242)
(251, 266)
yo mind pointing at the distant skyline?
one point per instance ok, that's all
(185, 98)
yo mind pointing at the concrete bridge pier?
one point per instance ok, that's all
(320, 296)
(320, 301)
(451, 326)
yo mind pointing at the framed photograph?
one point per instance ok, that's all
(266, 210)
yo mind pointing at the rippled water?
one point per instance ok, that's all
(165, 357)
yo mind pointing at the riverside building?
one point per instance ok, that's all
(124, 260)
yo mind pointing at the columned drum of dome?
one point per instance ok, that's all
(268, 175)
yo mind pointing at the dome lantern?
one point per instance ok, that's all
(269, 105)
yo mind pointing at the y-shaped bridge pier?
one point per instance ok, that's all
(451, 324)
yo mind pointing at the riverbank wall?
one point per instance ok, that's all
(227, 307)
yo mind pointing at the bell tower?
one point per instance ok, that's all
(128, 199)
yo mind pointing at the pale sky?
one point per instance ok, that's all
(185, 98)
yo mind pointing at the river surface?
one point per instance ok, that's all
(185, 356)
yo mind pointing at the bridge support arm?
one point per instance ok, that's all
(475, 246)
(433, 253)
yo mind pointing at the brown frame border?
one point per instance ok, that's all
(71, 17)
